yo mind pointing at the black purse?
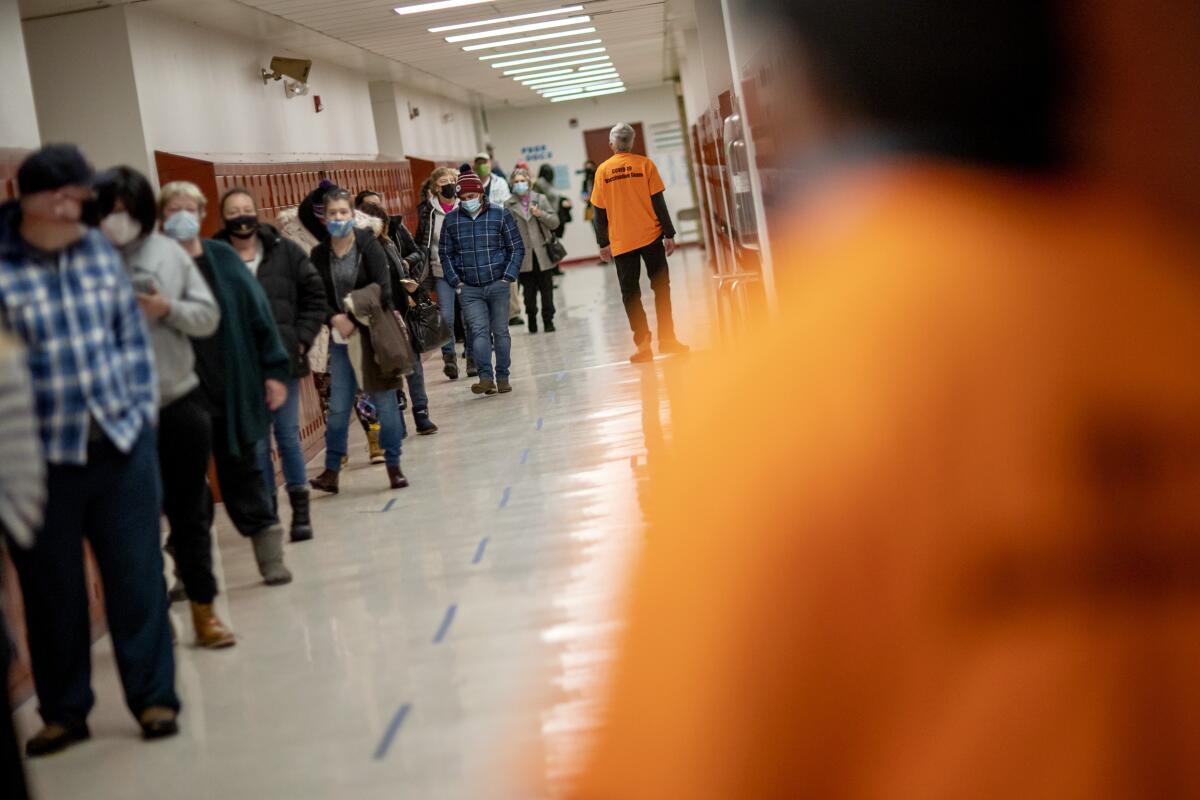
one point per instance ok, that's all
(425, 324)
(555, 248)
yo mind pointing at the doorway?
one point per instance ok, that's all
(596, 143)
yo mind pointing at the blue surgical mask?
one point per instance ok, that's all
(473, 205)
(521, 188)
(182, 226)
(339, 227)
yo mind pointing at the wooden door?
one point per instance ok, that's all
(596, 143)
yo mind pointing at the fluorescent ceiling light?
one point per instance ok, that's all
(566, 84)
(532, 26)
(591, 67)
(586, 94)
(541, 83)
(553, 73)
(498, 20)
(585, 52)
(576, 89)
(526, 39)
(541, 49)
(561, 64)
(438, 6)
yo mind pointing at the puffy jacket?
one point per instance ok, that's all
(295, 292)
(482, 250)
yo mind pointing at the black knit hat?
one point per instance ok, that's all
(53, 167)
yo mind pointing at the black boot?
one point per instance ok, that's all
(301, 522)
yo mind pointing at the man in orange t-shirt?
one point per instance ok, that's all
(633, 224)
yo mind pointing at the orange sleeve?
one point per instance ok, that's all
(654, 179)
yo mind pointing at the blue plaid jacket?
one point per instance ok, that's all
(480, 251)
(88, 350)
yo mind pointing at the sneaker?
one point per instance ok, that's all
(56, 737)
(532, 325)
(549, 326)
(425, 425)
(403, 399)
(673, 346)
(485, 386)
(450, 367)
(503, 386)
(515, 321)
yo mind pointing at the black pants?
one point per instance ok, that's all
(629, 275)
(539, 281)
(114, 501)
(242, 487)
(12, 774)
(184, 445)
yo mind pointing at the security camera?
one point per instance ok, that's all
(295, 68)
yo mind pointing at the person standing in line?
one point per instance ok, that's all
(178, 305)
(297, 299)
(441, 199)
(408, 272)
(536, 218)
(22, 499)
(481, 252)
(634, 225)
(352, 259)
(243, 371)
(65, 294)
(496, 191)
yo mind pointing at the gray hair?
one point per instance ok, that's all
(621, 137)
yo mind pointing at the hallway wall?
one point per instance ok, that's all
(656, 109)
(18, 117)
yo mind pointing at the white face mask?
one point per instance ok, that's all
(120, 228)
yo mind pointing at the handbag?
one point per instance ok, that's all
(554, 247)
(425, 324)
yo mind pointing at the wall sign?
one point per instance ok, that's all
(537, 152)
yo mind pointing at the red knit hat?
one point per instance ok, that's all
(469, 183)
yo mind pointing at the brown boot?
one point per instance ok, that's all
(397, 479)
(158, 722)
(210, 631)
(327, 481)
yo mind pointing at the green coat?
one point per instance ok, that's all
(251, 343)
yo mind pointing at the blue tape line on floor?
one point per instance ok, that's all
(541, 421)
(479, 550)
(442, 631)
(391, 732)
(554, 397)
(507, 495)
(389, 505)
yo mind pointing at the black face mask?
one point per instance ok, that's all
(449, 191)
(242, 227)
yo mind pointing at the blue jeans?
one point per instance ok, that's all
(342, 389)
(286, 423)
(485, 310)
(446, 298)
(418, 398)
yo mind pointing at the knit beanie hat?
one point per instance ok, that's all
(469, 183)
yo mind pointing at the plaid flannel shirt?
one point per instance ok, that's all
(480, 251)
(89, 352)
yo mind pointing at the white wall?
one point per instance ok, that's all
(18, 117)
(430, 135)
(83, 85)
(656, 109)
(201, 95)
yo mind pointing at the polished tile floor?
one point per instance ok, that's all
(439, 642)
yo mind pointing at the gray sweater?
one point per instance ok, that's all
(159, 261)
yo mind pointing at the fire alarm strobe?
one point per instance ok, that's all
(317, 104)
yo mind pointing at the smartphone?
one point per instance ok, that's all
(144, 284)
